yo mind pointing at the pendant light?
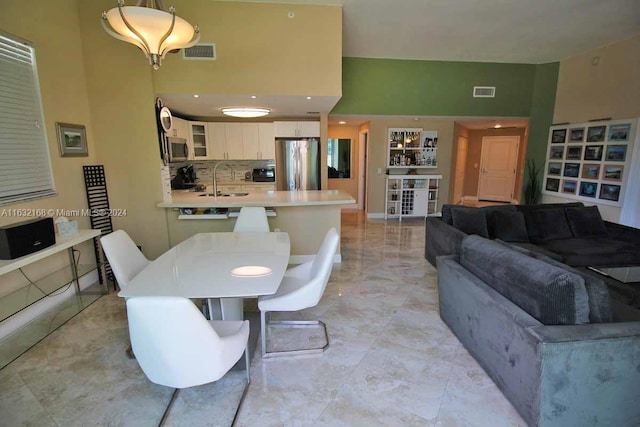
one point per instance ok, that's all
(151, 28)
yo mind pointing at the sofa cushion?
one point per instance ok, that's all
(537, 248)
(447, 217)
(470, 220)
(550, 294)
(594, 251)
(599, 300)
(530, 212)
(585, 221)
(553, 224)
(509, 226)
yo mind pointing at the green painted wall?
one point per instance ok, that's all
(434, 88)
(541, 117)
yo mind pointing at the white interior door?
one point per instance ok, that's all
(461, 161)
(498, 164)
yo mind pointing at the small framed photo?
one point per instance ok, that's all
(612, 172)
(553, 184)
(610, 192)
(574, 152)
(616, 153)
(554, 169)
(556, 153)
(569, 187)
(558, 136)
(596, 133)
(593, 152)
(571, 170)
(588, 189)
(619, 133)
(576, 135)
(72, 140)
(590, 171)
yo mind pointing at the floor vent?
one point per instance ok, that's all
(484, 91)
(200, 51)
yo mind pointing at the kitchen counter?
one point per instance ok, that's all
(190, 199)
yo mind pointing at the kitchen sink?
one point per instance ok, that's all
(225, 195)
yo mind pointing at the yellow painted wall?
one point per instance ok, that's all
(378, 139)
(349, 185)
(610, 88)
(53, 29)
(259, 49)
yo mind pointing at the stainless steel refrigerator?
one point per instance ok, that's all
(297, 164)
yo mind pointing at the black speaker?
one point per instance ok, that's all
(26, 237)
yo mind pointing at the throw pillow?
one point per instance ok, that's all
(470, 220)
(553, 224)
(586, 221)
(509, 226)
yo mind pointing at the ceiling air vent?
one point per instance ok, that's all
(484, 91)
(200, 51)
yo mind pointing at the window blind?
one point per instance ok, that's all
(25, 165)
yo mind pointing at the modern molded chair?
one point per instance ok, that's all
(123, 255)
(177, 347)
(252, 219)
(302, 287)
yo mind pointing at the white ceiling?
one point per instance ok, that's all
(514, 31)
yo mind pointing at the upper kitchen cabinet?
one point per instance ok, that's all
(297, 129)
(233, 141)
(266, 135)
(198, 141)
(241, 141)
(179, 128)
(217, 141)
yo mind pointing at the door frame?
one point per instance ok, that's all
(363, 169)
(515, 170)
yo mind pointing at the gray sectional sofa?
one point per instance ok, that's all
(545, 333)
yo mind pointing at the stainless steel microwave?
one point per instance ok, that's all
(178, 149)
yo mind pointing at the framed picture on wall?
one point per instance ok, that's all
(558, 136)
(616, 153)
(574, 152)
(569, 187)
(72, 140)
(619, 133)
(588, 189)
(554, 169)
(610, 192)
(576, 135)
(596, 133)
(593, 152)
(556, 153)
(612, 172)
(571, 170)
(590, 171)
(553, 184)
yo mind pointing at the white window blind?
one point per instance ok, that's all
(25, 166)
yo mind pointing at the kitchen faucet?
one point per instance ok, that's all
(215, 186)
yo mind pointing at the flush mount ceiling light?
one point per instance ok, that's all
(151, 28)
(251, 271)
(245, 112)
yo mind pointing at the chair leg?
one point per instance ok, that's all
(292, 324)
(168, 408)
(247, 361)
(263, 333)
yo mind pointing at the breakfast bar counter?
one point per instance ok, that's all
(305, 215)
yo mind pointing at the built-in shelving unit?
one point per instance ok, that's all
(412, 148)
(411, 196)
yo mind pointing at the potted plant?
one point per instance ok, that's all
(532, 187)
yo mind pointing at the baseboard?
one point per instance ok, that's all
(375, 216)
(301, 259)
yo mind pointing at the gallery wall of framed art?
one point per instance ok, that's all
(591, 161)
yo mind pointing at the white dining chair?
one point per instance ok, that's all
(252, 219)
(125, 258)
(176, 346)
(302, 287)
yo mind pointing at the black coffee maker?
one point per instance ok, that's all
(185, 178)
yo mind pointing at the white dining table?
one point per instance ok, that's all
(225, 266)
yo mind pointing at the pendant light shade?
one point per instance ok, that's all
(151, 28)
(245, 112)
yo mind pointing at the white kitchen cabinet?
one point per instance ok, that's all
(179, 128)
(411, 196)
(233, 141)
(250, 141)
(198, 145)
(217, 141)
(266, 136)
(297, 129)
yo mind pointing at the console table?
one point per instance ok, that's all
(27, 312)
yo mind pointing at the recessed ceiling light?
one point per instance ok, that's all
(308, 97)
(245, 112)
(498, 126)
(342, 122)
(196, 95)
(253, 97)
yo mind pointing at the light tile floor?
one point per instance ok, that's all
(391, 362)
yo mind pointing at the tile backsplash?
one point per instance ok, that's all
(229, 170)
